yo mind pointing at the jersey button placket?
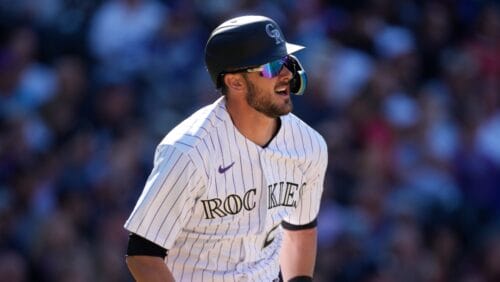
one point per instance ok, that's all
(264, 156)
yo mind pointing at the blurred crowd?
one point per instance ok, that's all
(405, 92)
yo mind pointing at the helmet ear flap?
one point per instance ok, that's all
(298, 83)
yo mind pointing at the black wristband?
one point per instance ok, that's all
(301, 279)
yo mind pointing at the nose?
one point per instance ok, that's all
(285, 73)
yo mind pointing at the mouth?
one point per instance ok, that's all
(282, 91)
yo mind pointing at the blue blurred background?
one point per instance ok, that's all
(406, 93)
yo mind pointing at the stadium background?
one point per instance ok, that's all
(406, 93)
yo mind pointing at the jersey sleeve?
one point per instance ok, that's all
(306, 211)
(168, 197)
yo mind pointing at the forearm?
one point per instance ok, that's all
(149, 269)
(298, 253)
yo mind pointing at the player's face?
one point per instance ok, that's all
(270, 96)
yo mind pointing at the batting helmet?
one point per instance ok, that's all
(245, 42)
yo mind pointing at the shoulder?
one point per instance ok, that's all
(313, 146)
(308, 134)
(195, 129)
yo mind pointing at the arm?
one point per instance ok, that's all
(149, 268)
(165, 202)
(146, 260)
(298, 253)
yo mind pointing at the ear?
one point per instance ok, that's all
(234, 82)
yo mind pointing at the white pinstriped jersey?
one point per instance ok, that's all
(215, 199)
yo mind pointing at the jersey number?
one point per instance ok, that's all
(270, 236)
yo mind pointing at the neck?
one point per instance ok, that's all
(254, 125)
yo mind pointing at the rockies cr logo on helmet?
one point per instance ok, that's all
(273, 32)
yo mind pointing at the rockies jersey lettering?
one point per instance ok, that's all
(232, 204)
(216, 200)
(284, 196)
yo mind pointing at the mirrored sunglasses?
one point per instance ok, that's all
(273, 68)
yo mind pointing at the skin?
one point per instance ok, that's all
(149, 268)
(255, 105)
(298, 253)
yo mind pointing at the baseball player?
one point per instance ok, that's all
(236, 187)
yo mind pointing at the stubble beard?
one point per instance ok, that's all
(264, 103)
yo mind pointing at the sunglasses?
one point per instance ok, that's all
(273, 68)
(298, 82)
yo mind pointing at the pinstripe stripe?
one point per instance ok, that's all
(230, 129)
(168, 193)
(225, 188)
(163, 202)
(184, 209)
(155, 171)
(158, 189)
(243, 176)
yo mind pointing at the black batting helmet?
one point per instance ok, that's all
(246, 41)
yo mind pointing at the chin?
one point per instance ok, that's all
(285, 111)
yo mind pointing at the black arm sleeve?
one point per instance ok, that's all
(139, 246)
(289, 226)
